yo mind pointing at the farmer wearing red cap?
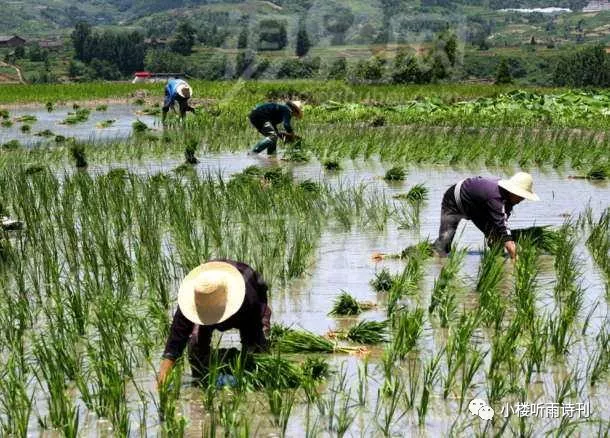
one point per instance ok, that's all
(488, 203)
(217, 295)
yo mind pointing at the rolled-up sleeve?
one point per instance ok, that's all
(179, 334)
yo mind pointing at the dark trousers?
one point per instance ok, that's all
(450, 219)
(267, 129)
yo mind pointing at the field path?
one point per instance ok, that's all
(19, 75)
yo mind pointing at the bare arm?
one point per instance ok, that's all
(164, 369)
(511, 248)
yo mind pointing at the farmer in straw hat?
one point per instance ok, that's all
(177, 90)
(265, 117)
(217, 295)
(488, 203)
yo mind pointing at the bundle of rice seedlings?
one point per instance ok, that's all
(45, 133)
(26, 118)
(6, 123)
(11, 145)
(396, 173)
(105, 123)
(295, 154)
(274, 371)
(276, 176)
(310, 186)
(418, 193)
(315, 367)
(383, 281)
(368, 332)
(303, 341)
(345, 304)
(331, 165)
(4, 114)
(598, 172)
(139, 126)
(101, 107)
(60, 139)
(26, 128)
(50, 106)
(422, 250)
(542, 238)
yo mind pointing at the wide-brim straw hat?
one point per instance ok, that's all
(211, 293)
(184, 90)
(297, 107)
(520, 184)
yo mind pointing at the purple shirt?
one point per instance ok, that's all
(487, 206)
(250, 319)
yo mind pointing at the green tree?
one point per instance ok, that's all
(79, 36)
(272, 35)
(242, 40)
(338, 69)
(587, 67)
(503, 75)
(303, 43)
(184, 39)
(162, 60)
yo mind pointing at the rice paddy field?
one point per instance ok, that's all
(359, 347)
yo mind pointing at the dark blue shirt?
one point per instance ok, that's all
(250, 319)
(486, 204)
(275, 113)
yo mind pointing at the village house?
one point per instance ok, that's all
(11, 41)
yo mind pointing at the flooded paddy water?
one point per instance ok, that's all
(357, 399)
(122, 115)
(343, 262)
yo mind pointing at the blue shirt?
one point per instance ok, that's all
(171, 91)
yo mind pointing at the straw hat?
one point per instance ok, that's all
(296, 106)
(211, 293)
(520, 184)
(184, 90)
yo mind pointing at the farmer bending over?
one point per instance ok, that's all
(266, 116)
(217, 295)
(177, 90)
(488, 203)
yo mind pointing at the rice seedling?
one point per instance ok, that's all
(395, 174)
(422, 251)
(6, 123)
(4, 114)
(408, 327)
(407, 283)
(345, 415)
(27, 118)
(598, 244)
(386, 410)
(490, 276)
(443, 292)
(80, 115)
(331, 164)
(526, 273)
(430, 375)
(189, 153)
(50, 106)
(102, 107)
(106, 123)
(77, 150)
(16, 402)
(599, 364)
(346, 305)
